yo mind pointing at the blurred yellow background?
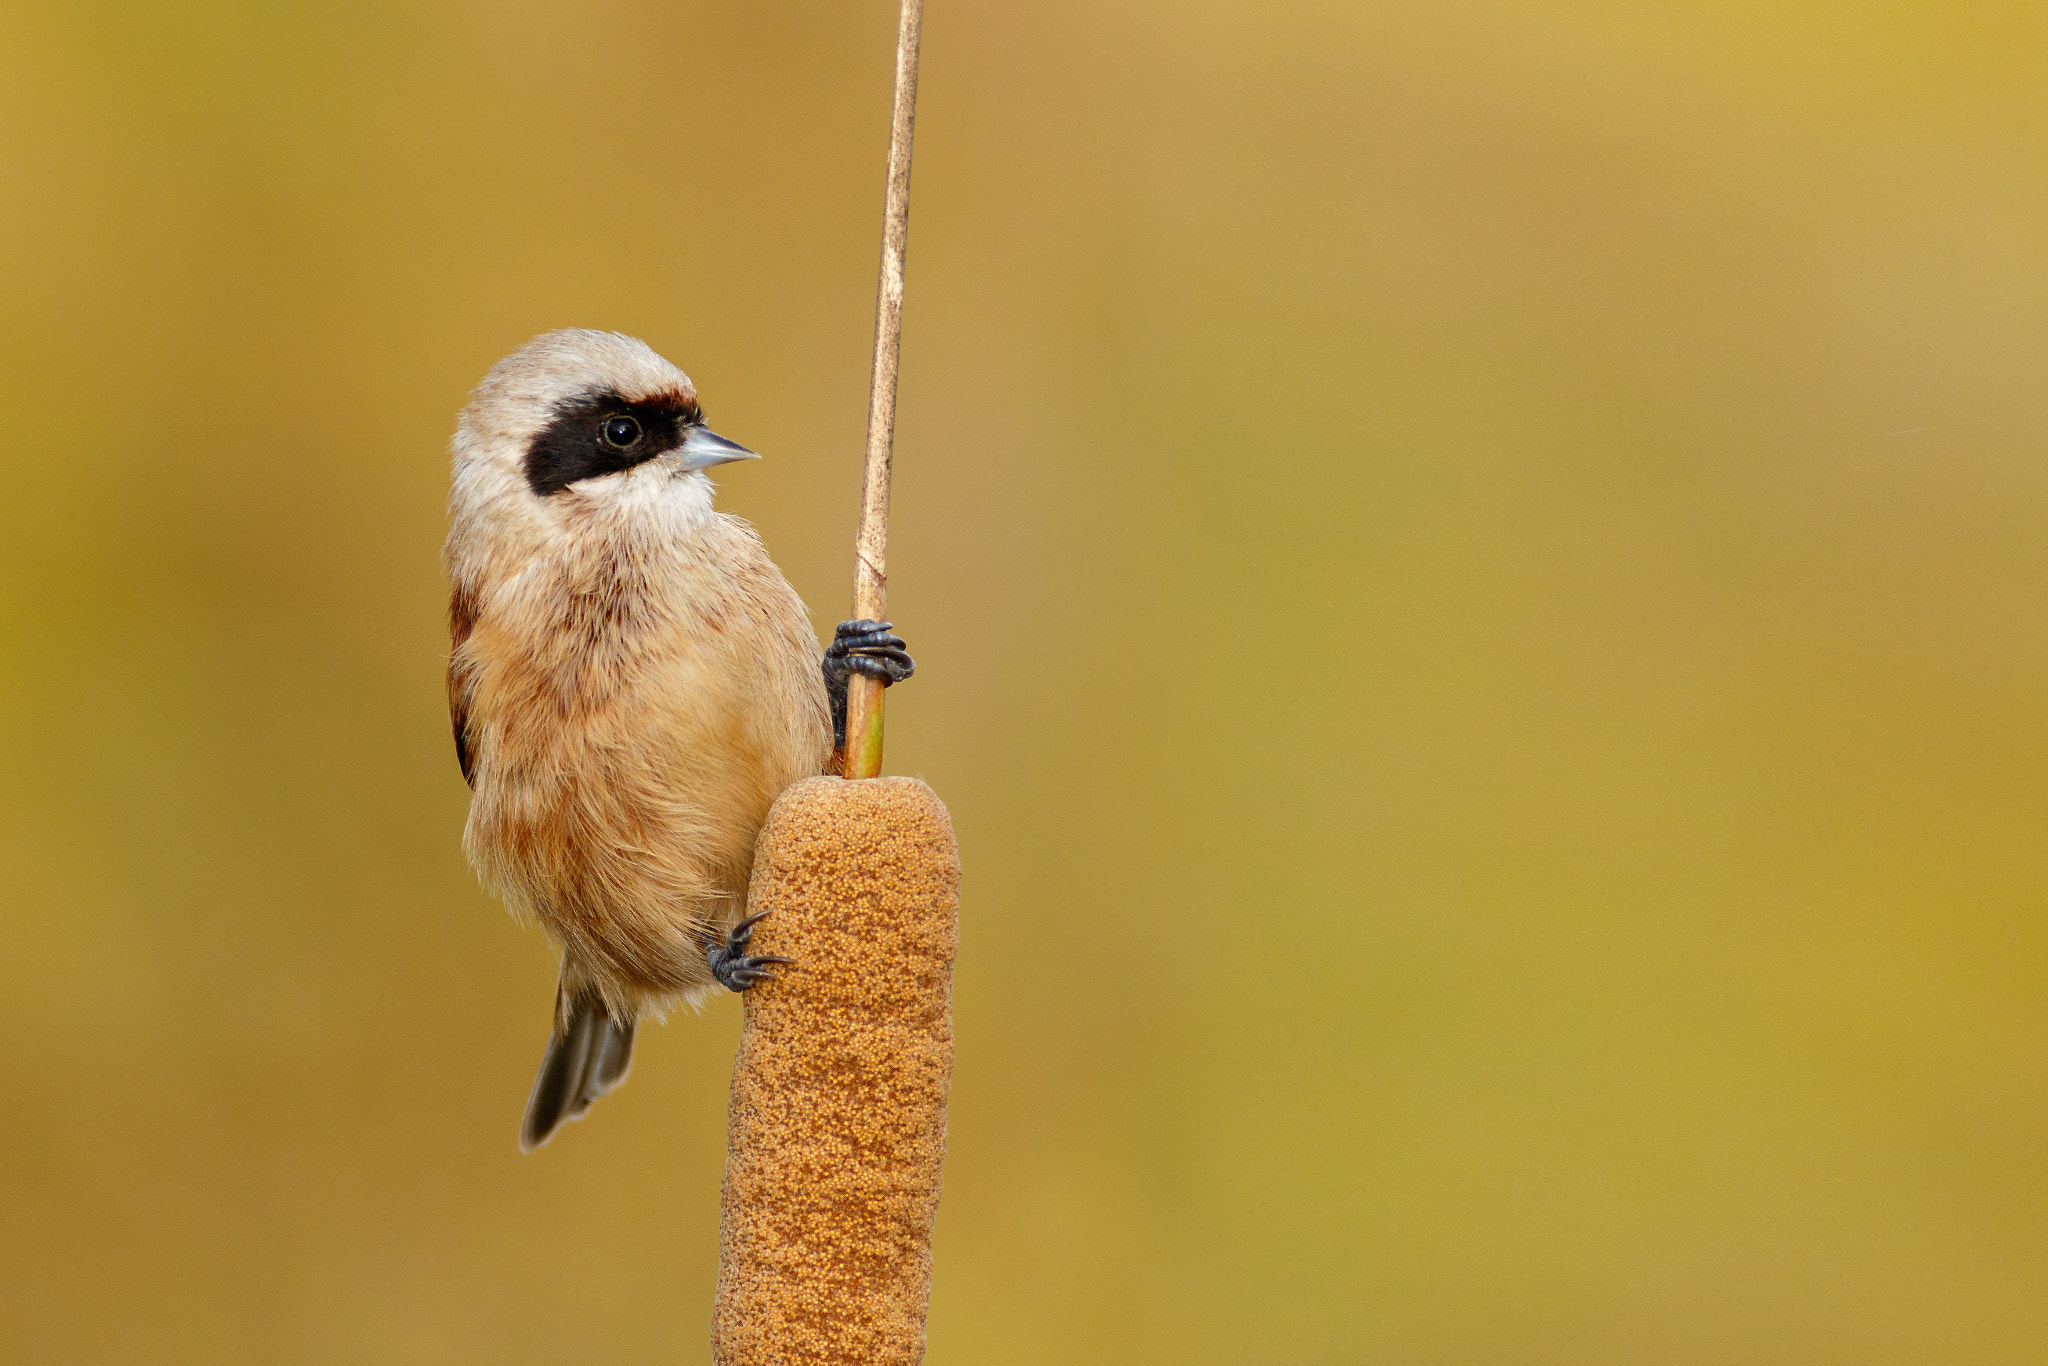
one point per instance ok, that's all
(1479, 578)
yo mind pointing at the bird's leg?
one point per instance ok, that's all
(870, 648)
(730, 964)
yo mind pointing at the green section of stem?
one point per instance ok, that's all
(864, 755)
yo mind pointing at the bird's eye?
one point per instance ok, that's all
(620, 431)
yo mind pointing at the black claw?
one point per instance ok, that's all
(729, 963)
(870, 648)
(887, 670)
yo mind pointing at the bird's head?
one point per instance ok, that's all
(577, 424)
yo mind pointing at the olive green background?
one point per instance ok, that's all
(1478, 576)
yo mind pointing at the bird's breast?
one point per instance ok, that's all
(633, 728)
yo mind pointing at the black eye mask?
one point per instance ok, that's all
(604, 434)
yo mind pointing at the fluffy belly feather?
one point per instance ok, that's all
(621, 784)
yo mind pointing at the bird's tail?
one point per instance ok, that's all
(587, 1056)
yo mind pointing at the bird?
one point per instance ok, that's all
(631, 684)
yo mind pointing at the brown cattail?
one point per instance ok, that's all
(838, 1112)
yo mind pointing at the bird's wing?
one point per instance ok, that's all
(461, 620)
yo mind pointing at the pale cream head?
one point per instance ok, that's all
(577, 424)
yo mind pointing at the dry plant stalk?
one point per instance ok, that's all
(838, 1113)
(870, 573)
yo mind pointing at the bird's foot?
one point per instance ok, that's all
(870, 648)
(730, 964)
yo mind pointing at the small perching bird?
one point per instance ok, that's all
(632, 684)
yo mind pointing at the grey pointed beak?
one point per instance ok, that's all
(703, 448)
